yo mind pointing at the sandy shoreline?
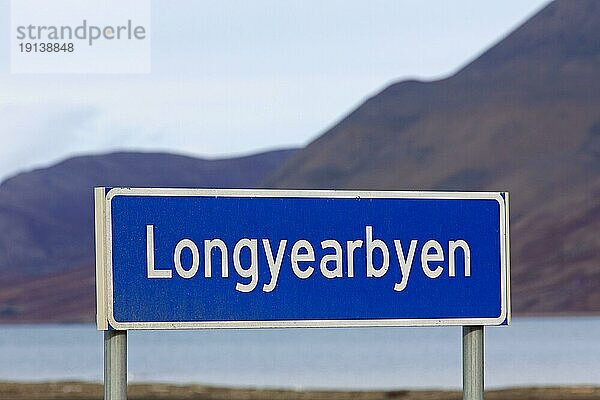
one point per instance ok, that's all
(89, 391)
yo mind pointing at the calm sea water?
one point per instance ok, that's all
(533, 351)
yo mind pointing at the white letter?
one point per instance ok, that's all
(208, 246)
(405, 263)
(274, 265)
(371, 245)
(426, 257)
(153, 273)
(252, 271)
(187, 274)
(452, 245)
(297, 256)
(351, 246)
(336, 257)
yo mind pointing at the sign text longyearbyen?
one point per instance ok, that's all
(201, 258)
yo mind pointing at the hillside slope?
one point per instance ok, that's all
(523, 117)
(46, 220)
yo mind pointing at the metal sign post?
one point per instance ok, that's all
(473, 362)
(238, 258)
(115, 365)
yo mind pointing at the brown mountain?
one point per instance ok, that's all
(523, 117)
(46, 220)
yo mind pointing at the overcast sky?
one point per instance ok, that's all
(234, 77)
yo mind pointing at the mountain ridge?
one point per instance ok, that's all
(522, 117)
(46, 216)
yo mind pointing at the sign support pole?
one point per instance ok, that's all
(472, 362)
(115, 365)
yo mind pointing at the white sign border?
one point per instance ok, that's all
(104, 273)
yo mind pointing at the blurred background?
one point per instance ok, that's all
(398, 95)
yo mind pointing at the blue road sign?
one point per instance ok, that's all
(199, 258)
